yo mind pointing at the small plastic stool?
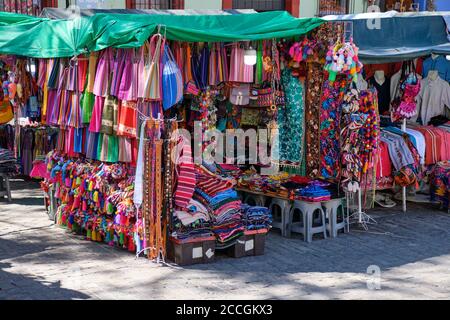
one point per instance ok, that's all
(331, 208)
(285, 208)
(255, 199)
(5, 188)
(307, 209)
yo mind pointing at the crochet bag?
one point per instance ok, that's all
(404, 105)
(172, 80)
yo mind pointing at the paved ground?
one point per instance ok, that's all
(39, 260)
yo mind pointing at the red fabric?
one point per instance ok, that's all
(127, 123)
(433, 144)
(186, 175)
(384, 167)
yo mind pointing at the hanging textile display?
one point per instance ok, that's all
(332, 94)
(291, 121)
(314, 80)
(359, 137)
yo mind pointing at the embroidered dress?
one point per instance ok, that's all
(290, 120)
(332, 94)
(312, 118)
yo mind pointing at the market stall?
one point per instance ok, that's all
(410, 75)
(177, 136)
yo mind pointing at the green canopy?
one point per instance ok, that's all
(45, 38)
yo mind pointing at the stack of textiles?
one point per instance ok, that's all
(314, 192)
(256, 218)
(273, 184)
(229, 170)
(95, 199)
(192, 222)
(8, 164)
(217, 194)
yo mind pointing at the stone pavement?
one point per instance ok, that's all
(39, 260)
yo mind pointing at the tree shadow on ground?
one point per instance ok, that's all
(21, 287)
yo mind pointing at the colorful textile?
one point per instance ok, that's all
(332, 94)
(314, 81)
(440, 183)
(291, 120)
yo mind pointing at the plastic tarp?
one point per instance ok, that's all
(393, 36)
(44, 38)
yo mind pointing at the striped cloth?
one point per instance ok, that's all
(211, 183)
(186, 174)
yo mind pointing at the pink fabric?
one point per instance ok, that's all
(96, 120)
(102, 73)
(39, 170)
(127, 89)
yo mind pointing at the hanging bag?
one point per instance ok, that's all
(404, 105)
(240, 94)
(126, 89)
(102, 74)
(143, 68)
(127, 124)
(171, 80)
(110, 109)
(153, 80)
(6, 112)
(118, 70)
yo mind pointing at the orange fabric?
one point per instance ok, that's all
(127, 123)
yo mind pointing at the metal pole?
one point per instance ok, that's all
(404, 188)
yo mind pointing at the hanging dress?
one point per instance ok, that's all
(291, 120)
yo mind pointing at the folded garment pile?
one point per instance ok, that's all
(216, 192)
(8, 164)
(191, 222)
(267, 184)
(314, 192)
(256, 218)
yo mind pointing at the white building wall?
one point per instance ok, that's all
(202, 4)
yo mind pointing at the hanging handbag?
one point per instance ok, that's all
(127, 86)
(191, 88)
(143, 69)
(240, 95)
(171, 80)
(109, 112)
(263, 97)
(102, 74)
(153, 80)
(6, 111)
(127, 123)
(404, 105)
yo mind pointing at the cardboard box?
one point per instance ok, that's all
(191, 251)
(252, 243)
